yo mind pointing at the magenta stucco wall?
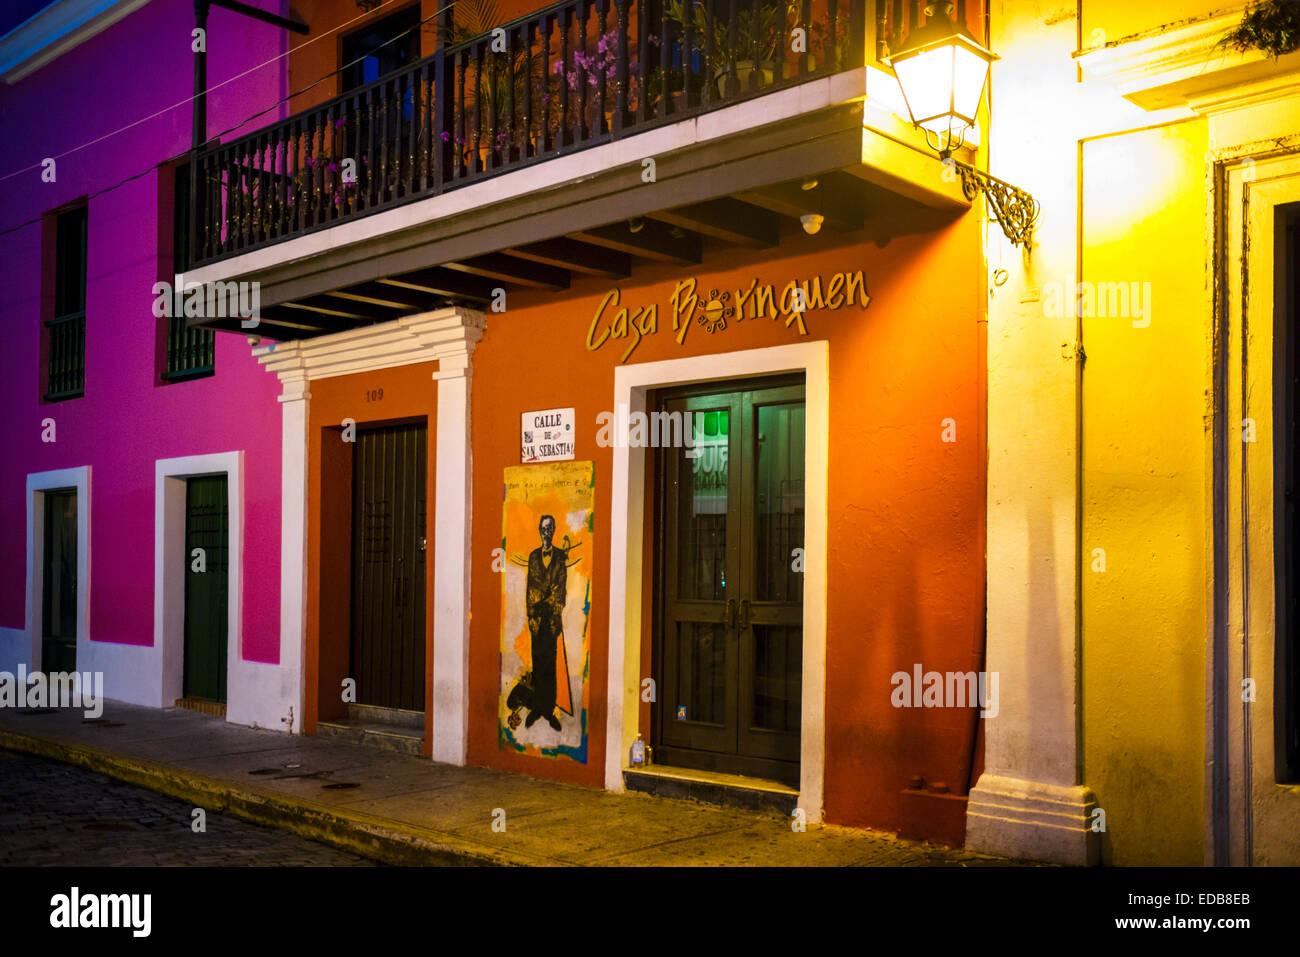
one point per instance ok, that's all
(127, 419)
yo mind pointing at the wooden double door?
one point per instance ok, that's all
(389, 472)
(729, 580)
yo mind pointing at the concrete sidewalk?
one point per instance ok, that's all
(409, 810)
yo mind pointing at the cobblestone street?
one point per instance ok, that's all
(57, 814)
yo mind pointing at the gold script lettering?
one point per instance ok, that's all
(683, 306)
(611, 296)
(833, 290)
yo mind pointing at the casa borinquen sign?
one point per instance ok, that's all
(546, 436)
(711, 310)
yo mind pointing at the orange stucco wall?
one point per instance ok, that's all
(408, 393)
(318, 54)
(906, 566)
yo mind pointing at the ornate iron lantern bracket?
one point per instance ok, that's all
(1014, 210)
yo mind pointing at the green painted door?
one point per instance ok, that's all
(729, 633)
(206, 583)
(59, 583)
(388, 572)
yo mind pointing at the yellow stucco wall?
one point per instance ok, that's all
(1145, 491)
(1117, 20)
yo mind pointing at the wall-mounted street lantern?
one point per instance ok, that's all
(942, 71)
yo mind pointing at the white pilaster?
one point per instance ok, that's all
(447, 336)
(293, 534)
(1030, 801)
(451, 559)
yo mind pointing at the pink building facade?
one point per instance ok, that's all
(117, 462)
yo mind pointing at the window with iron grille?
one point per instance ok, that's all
(191, 352)
(65, 374)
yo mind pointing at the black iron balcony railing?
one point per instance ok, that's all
(191, 351)
(65, 376)
(565, 78)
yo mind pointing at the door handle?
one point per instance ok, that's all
(744, 613)
(731, 613)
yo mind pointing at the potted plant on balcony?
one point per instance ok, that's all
(764, 32)
(674, 87)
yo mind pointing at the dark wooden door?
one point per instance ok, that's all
(730, 629)
(388, 566)
(1287, 505)
(207, 574)
(59, 582)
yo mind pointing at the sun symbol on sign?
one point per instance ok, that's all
(714, 313)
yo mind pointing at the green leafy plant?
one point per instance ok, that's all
(767, 31)
(1272, 26)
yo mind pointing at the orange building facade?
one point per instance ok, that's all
(641, 445)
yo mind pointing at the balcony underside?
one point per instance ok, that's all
(733, 178)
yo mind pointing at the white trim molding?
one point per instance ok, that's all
(62, 26)
(447, 336)
(1253, 818)
(247, 702)
(1187, 66)
(627, 529)
(37, 484)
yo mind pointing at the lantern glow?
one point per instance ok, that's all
(941, 71)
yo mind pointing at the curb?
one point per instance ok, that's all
(361, 834)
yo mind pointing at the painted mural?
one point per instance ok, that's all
(548, 546)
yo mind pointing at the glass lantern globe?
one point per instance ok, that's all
(941, 71)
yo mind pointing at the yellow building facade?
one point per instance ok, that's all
(1135, 364)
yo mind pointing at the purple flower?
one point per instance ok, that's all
(445, 136)
(338, 124)
(311, 161)
(333, 167)
(559, 67)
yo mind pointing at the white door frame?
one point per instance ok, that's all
(169, 571)
(627, 528)
(37, 484)
(1251, 818)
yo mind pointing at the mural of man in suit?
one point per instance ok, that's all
(545, 596)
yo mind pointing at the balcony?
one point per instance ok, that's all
(582, 80)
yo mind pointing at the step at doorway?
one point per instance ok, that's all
(392, 729)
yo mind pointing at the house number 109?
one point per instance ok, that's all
(374, 395)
